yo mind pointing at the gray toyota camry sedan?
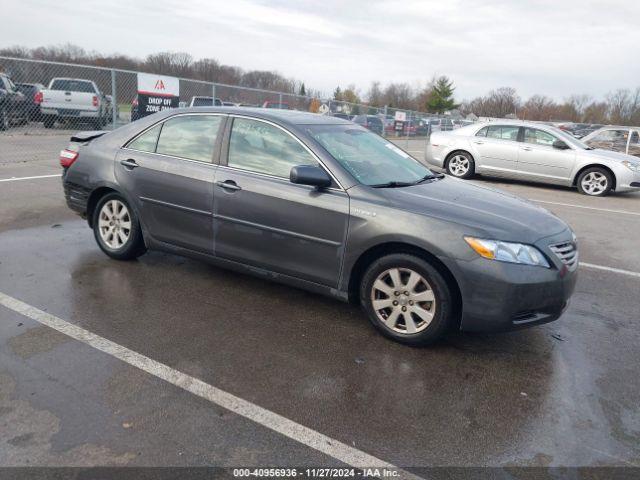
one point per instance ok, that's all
(323, 204)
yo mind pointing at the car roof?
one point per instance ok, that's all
(293, 117)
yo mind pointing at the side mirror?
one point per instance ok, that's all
(560, 145)
(310, 175)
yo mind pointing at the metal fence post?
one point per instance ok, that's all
(114, 99)
(213, 94)
(280, 100)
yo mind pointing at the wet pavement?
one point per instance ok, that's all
(562, 394)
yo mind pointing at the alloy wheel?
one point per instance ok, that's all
(459, 165)
(594, 183)
(114, 223)
(403, 300)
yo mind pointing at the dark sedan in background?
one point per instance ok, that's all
(323, 204)
(33, 98)
(14, 106)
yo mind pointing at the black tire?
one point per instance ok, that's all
(134, 246)
(457, 173)
(4, 119)
(598, 189)
(49, 121)
(429, 332)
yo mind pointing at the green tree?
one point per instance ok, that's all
(440, 99)
(303, 91)
(337, 94)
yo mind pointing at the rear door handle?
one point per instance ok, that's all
(129, 163)
(229, 185)
(478, 142)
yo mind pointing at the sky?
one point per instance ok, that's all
(555, 48)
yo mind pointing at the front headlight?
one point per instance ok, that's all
(508, 252)
(632, 165)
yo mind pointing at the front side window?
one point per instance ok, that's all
(189, 136)
(635, 138)
(482, 132)
(538, 137)
(147, 141)
(369, 158)
(503, 132)
(263, 148)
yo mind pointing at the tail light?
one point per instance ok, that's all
(95, 100)
(38, 97)
(135, 102)
(67, 157)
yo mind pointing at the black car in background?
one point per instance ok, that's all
(33, 99)
(370, 122)
(13, 104)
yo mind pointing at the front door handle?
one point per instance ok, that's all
(229, 185)
(478, 142)
(528, 149)
(129, 163)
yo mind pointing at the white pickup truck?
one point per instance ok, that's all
(74, 99)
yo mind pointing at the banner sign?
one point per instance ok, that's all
(157, 93)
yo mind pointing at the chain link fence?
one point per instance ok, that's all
(52, 100)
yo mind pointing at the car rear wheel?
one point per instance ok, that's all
(116, 228)
(4, 119)
(406, 299)
(596, 182)
(460, 165)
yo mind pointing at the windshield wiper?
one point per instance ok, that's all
(393, 184)
(396, 184)
(429, 176)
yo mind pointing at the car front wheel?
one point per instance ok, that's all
(406, 299)
(117, 229)
(596, 182)
(460, 165)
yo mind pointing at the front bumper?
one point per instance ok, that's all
(627, 180)
(499, 296)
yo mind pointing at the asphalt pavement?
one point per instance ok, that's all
(562, 394)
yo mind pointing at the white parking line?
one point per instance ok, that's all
(625, 212)
(611, 269)
(14, 179)
(304, 435)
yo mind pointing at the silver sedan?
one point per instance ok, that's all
(535, 152)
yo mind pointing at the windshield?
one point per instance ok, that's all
(570, 139)
(368, 157)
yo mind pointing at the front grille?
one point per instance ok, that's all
(567, 253)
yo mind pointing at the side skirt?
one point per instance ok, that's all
(295, 282)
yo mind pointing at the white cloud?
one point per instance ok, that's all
(536, 46)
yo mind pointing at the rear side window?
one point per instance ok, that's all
(147, 141)
(375, 121)
(259, 147)
(73, 86)
(503, 132)
(191, 136)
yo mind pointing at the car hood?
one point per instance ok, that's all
(485, 211)
(600, 153)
